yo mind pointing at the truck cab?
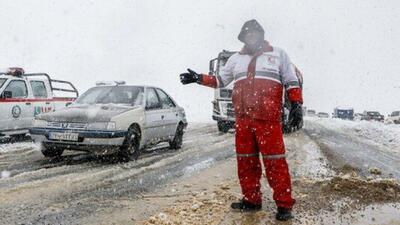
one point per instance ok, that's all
(223, 111)
(23, 96)
(345, 113)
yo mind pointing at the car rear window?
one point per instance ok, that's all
(165, 99)
(373, 113)
(39, 89)
(397, 113)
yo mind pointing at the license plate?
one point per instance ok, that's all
(63, 136)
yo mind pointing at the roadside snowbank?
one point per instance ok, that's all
(22, 146)
(387, 135)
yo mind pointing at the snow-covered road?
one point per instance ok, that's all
(69, 190)
(363, 145)
(44, 191)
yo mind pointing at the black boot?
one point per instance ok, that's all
(246, 206)
(284, 214)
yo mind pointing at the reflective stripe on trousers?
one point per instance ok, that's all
(278, 156)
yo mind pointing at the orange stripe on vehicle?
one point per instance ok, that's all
(37, 100)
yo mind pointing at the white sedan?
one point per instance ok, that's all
(112, 119)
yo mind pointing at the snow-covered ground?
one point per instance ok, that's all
(387, 135)
(200, 178)
(22, 146)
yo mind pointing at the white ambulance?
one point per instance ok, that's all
(23, 96)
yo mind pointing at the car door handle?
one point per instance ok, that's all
(47, 103)
(28, 103)
(162, 117)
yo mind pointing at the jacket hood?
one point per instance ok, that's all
(250, 26)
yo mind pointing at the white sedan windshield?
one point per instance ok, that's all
(128, 95)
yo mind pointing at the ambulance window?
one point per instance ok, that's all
(2, 81)
(39, 89)
(165, 100)
(18, 89)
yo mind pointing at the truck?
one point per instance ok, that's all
(26, 95)
(394, 117)
(373, 115)
(223, 110)
(345, 113)
(311, 113)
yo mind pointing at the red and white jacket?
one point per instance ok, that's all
(258, 82)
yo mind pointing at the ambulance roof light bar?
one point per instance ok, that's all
(110, 83)
(119, 82)
(15, 71)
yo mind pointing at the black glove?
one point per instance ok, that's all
(295, 115)
(191, 77)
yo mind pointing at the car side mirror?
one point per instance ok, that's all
(212, 66)
(7, 94)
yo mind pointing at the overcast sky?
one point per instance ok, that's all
(347, 50)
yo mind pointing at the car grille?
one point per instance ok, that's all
(67, 125)
(225, 93)
(230, 110)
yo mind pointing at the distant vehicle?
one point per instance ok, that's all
(394, 117)
(358, 116)
(373, 115)
(115, 119)
(343, 113)
(323, 115)
(311, 113)
(223, 111)
(23, 96)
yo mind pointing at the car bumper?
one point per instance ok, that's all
(93, 141)
(223, 118)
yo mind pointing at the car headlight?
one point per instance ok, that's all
(39, 123)
(101, 126)
(223, 107)
(111, 126)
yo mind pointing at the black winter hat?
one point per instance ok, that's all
(251, 25)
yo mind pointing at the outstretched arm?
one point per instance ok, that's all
(223, 79)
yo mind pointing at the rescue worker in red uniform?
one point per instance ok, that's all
(260, 73)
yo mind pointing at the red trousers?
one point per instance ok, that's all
(259, 136)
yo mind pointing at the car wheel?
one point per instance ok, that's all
(286, 129)
(223, 126)
(130, 148)
(176, 143)
(51, 152)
